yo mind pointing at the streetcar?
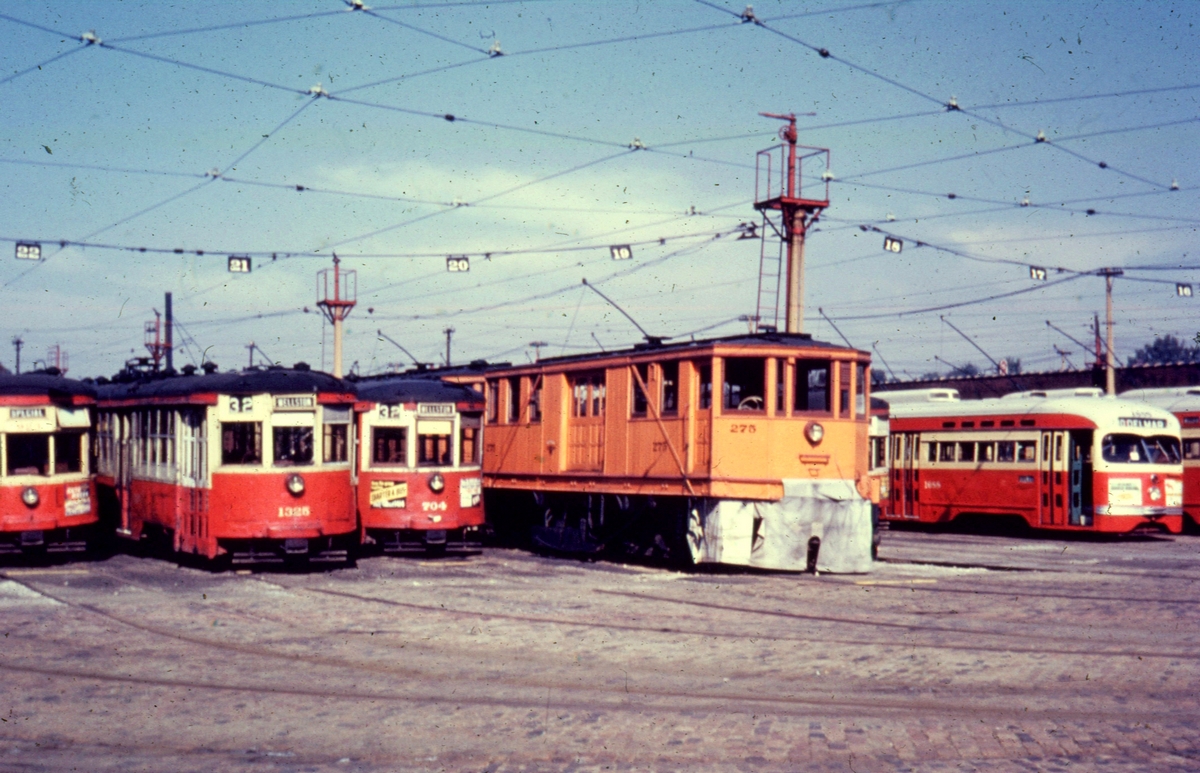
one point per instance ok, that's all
(1184, 402)
(419, 481)
(47, 495)
(1069, 460)
(251, 466)
(746, 450)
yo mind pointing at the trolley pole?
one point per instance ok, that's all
(1110, 387)
(449, 332)
(338, 305)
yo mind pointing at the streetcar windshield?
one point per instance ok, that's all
(28, 453)
(1134, 449)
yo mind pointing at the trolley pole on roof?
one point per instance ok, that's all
(337, 305)
(781, 189)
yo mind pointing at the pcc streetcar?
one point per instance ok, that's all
(1076, 461)
(47, 495)
(1184, 402)
(253, 465)
(748, 450)
(419, 484)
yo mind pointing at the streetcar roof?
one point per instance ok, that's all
(906, 396)
(53, 386)
(1100, 411)
(422, 390)
(1174, 399)
(682, 348)
(245, 382)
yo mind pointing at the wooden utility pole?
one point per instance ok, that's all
(1109, 274)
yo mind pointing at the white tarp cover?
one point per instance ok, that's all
(775, 535)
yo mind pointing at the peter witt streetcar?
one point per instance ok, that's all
(419, 485)
(253, 465)
(1069, 460)
(47, 498)
(747, 450)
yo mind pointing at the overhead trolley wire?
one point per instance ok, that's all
(824, 53)
(40, 65)
(976, 301)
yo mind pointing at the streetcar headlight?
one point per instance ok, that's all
(30, 496)
(814, 432)
(437, 483)
(295, 484)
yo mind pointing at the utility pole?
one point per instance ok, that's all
(18, 342)
(250, 353)
(338, 305)
(1109, 274)
(449, 332)
(537, 349)
(797, 213)
(170, 339)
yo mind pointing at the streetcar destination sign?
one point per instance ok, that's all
(1141, 423)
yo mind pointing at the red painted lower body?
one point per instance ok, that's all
(61, 519)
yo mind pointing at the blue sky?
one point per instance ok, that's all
(192, 124)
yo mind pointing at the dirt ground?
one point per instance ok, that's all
(959, 652)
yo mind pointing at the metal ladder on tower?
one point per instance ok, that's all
(770, 266)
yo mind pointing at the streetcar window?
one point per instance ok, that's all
(579, 398)
(946, 452)
(812, 387)
(335, 443)
(640, 402)
(844, 387)
(670, 388)
(28, 453)
(293, 445)
(931, 454)
(860, 390)
(433, 447)
(493, 401)
(743, 389)
(241, 442)
(986, 452)
(780, 387)
(1161, 449)
(535, 400)
(599, 394)
(512, 412)
(389, 445)
(587, 395)
(1027, 451)
(1191, 449)
(1006, 451)
(68, 452)
(468, 440)
(705, 372)
(878, 452)
(966, 452)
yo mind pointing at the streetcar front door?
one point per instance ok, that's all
(1055, 481)
(904, 474)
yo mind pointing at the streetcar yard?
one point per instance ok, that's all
(959, 652)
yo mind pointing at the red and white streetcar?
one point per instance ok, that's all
(1077, 461)
(47, 496)
(419, 481)
(1184, 402)
(254, 465)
